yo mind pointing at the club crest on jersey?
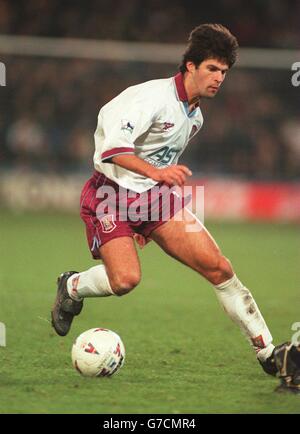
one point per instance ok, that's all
(126, 126)
(107, 223)
(167, 126)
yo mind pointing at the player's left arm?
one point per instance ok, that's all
(172, 175)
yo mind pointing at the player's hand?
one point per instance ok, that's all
(172, 175)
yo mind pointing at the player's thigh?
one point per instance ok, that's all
(121, 261)
(188, 241)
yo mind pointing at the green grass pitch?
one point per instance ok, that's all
(183, 355)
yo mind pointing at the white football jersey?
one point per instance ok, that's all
(150, 120)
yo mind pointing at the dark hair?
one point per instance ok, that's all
(210, 41)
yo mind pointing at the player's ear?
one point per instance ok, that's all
(190, 66)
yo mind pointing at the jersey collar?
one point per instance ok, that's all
(182, 95)
(181, 92)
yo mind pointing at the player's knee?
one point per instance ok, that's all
(221, 271)
(125, 282)
(225, 269)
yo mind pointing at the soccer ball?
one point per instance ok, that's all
(98, 352)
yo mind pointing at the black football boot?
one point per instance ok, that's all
(65, 308)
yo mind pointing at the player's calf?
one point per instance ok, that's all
(239, 304)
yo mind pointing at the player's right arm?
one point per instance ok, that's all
(172, 175)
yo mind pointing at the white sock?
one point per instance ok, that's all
(239, 304)
(91, 283)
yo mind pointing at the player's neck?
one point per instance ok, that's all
(191, 91)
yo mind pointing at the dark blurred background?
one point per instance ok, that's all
(259, 23)
(50, 105)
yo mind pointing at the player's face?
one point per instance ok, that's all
(208, 77)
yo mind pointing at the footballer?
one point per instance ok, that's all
(140, 136)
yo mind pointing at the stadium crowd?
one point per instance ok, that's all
(265, 23)
(49, 107)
